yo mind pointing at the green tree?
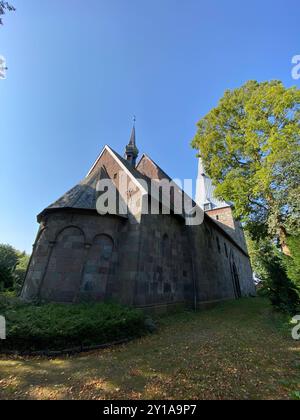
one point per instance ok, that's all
(13, 267)
(293, 261)
(8, 263)
(250, 145)
(20, 271)
(5, 6)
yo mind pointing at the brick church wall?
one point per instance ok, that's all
(157, 262)
(165, 265)
(81, 256)
(215, 255)
(224, 217)
(145, 260)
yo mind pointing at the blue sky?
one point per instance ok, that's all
(78, 71)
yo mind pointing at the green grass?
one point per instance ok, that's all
(235, 351)
(55, 326)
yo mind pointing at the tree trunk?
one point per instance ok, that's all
(283, 241)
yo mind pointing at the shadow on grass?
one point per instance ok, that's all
(234, 351)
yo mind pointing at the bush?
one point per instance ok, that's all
(13, 267)
(293, 262)
(269, 265)
(282, 292)
(60, 326)
(20, 271)
(8, 300)
(8, 263)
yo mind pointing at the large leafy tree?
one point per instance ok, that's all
(250, 145)
(13, 266)
(8, 264)
(20, 271)
(5, 6)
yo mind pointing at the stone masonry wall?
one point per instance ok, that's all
(215, 258)
(81, 256)
(165, 266)
(158, 262)
(224, 217)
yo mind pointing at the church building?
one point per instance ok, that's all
(152, 261)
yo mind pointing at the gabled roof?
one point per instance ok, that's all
(207, 218)
(161, 174)
(84, 195)
(128, 168)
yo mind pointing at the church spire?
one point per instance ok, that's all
(131, 151)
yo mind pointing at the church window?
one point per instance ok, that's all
(226, 252)
(218, 244)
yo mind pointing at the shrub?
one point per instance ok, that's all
(13, 266)
(60, 326)
(269, 265)
(293, 262)
(20, 271)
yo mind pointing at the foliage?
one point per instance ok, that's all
(191, 357)
(295, 395)
(293, 262)
(8, 263)
(8, 301)
(20, 271)
(59, 326)
(5, 6)
(250, 145)
(269, 266)
(13, 266)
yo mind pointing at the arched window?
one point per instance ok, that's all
(225, 247)
(208, 236)
(218, 244)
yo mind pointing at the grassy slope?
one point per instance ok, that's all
(233, 351)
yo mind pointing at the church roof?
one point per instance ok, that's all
(84, 195)
(132, 137)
